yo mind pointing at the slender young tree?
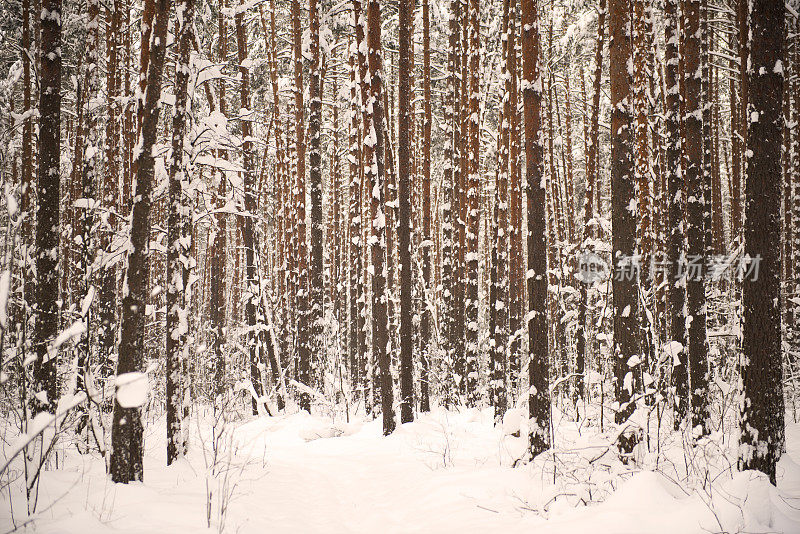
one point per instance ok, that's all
(127, 439)
(589, 208)
(26, 179)
(762, 438)
(538, 368)
(89, 174)
(107, 295)
(316, 278)
(218, 241)
(427, 283)
(179, 240)
(405, 127)
(498, 297)
(516, 283)
(357, 334)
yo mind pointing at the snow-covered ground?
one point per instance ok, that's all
(446, 472)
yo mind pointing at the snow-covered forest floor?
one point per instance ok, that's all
(449, 471)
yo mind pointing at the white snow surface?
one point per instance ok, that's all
(447, 472)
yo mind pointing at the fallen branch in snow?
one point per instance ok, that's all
(305, 389)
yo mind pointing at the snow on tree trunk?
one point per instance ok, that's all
(179, 240)
(624, 212)
(404, 149)
(427, 285)
(47, 214)
(695, 180)
(762, 439)
(376, 174)
(128, 445)
(316, 279)
(538, 367)
(676, 280)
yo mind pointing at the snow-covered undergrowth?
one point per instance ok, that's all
(449, 471)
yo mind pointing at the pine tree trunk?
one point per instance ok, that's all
(538, 367)
(47, 215)
(676, 280)
(304, 335)
(88, 175)
(107, 297)
(498, 298)
(516, 261)
(472, 208)
(427, 284)
(695, 220)
(762, 438)
(127, 453)
(357, 297)
(623, 219)
(405, 128)
(450, 185)
(589, 209)
(219, 244)
(179, 241)
(376, 175)
(316, 278)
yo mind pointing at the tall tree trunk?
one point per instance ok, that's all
(219, 242)
(460, 205)
(695, 219)
(254, 313)
(762, 438)
(405, 127)
(47, 215)
(282, 178)
(127, 453)
(472, 208)
(357, 297)
(376, 173)
(498, 298)
(179, 240)
(26, 178)
(589, 208)
(91, 150)
(305, 337)
(676, 279)
(107, 297)
(450, 180)
(427, 283)
(623, 219)
(795, 287)
(316, 278)
(516, 263)
(367, 160)
(538, 367)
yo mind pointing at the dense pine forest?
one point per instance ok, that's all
(400, 266)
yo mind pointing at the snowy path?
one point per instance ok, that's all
(441, 474)
(355, 484)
